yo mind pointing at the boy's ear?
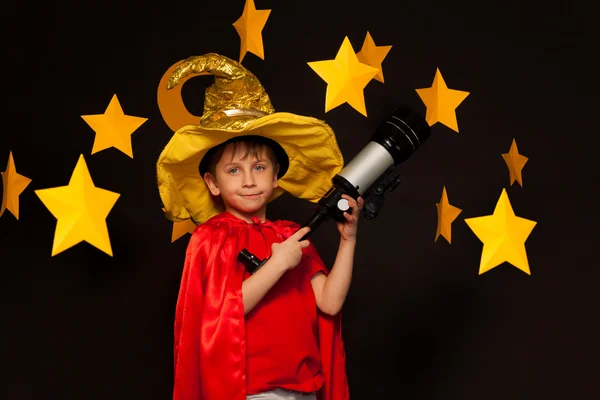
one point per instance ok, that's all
(212, 184)
(275, 172)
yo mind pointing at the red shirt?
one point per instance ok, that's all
(281, 331)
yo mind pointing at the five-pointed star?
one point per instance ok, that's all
(180, 228)
(503, 235)
(113, 128)
(447, 213)
(515, 163)
(13, 185)
(441, 102)
(81, 210)
(249, 26)
(346, 78)
(373, 55)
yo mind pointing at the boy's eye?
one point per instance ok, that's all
(233, 170)
(260, 167)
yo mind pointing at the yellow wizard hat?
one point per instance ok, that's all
(236, 104)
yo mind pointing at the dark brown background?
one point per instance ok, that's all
(419, 323)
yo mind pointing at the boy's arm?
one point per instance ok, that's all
(284, 256)
(256, 286)
(330, 291)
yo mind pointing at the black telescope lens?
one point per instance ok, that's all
(403, 133)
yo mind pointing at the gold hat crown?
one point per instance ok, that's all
(235, 98)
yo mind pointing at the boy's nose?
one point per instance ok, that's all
(248, 180)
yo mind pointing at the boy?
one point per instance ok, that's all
(275, 334)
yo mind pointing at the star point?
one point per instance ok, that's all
(81, 209)
(373, 55)
(503, 235)
(441, 102)
(249, 27)
(181, 228)
(113, 128)
(346, 78)
(515, 163)
(447, 213)
(13, 185)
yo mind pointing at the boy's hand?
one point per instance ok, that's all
(348, 228)
(288, 254)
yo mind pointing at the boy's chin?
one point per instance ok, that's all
(248, 209)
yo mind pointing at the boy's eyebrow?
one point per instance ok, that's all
(238, 163)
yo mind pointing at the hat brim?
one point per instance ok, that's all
(310, 144)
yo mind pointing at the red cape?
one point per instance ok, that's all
(210, 346)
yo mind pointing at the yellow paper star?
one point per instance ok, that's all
(249, 26)
(346, 78)
(113, 128)
(503, 235)
(515, 163)
(446, 215)
(441, 102)
(373, 55)
(81, 210)
(13, 185)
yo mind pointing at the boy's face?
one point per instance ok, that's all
(244, 185)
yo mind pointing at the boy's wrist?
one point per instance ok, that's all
(348, 240)
(276, 265)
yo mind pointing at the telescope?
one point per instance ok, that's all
(370, 174)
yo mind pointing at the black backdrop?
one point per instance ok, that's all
(419, 322)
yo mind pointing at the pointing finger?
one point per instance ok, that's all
(300, 232)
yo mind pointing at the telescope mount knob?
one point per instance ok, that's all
(343, 205)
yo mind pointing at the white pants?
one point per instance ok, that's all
(281, 394)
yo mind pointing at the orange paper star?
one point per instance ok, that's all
(249, 26)
(81, 209)
(13, 185)
(515, 163)
(446, 215)
(441, 102)
(113, 128)
(503, 235)
(346, 78)
(181, 228)
(373, 55)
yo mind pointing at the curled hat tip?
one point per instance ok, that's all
(179, 73)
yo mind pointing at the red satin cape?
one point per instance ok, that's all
(210, 346)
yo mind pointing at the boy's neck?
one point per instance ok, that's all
(261, 214)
